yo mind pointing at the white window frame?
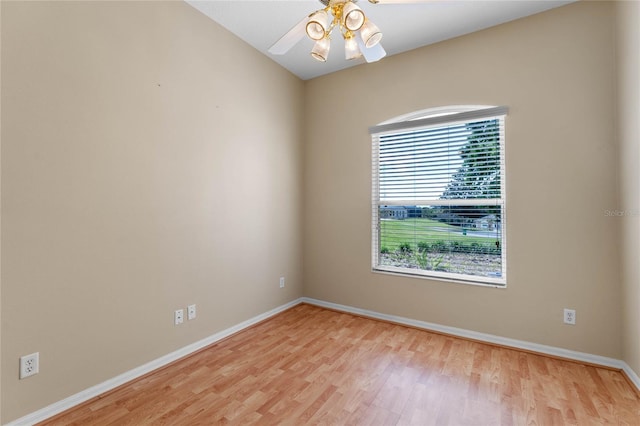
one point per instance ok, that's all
(433, 118)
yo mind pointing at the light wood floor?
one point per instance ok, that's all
(310, 365)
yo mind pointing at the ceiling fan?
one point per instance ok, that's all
(361, 36)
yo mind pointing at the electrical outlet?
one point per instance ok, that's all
(191, 312)
(29, 365)
(178, 317)
(281, 282)
(570, 316)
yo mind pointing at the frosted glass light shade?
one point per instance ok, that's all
(353, 16)
(317, 25)
(351, 50)
(371, 34)
(320, 50)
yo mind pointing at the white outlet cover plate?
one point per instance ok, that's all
(191, 312)
(29, 365)
(178, 317)
(570, 316)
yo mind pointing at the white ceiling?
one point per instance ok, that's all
(404, 26)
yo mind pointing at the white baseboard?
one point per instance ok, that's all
(632, 375)
(489, 338)
(108, 385)
(99, 389)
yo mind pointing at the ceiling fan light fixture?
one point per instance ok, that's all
(320, 50)
(370, 33)
(317, 25)
(351, 49)
(361, 36)
(353, 16)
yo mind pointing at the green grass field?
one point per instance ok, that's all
(394, 232)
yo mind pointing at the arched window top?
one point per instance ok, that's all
(437, 115)
(435, 112)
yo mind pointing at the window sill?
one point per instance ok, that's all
(402, 272)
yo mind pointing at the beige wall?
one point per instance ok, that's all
(133, 183)
(556, 73)
(628, 38)
(150, 160)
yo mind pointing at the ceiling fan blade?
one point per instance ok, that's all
(371, 54)
(290, 39)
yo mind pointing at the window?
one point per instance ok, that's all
(438, 205)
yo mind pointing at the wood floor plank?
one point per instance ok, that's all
(315, 366)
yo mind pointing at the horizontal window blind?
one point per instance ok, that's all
(438, 197)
